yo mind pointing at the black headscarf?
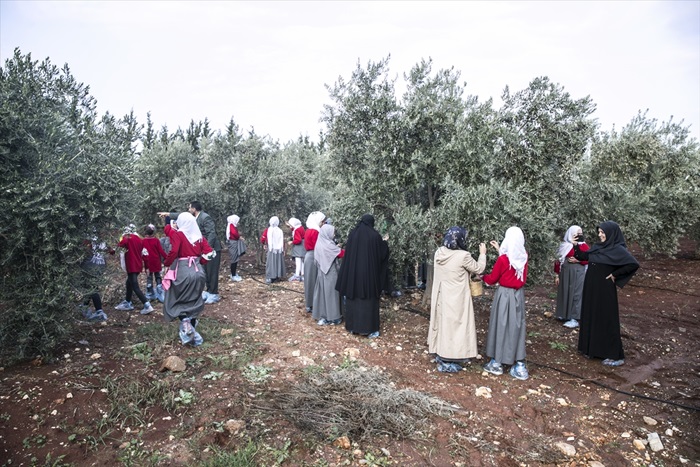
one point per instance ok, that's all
(361, 273)
(613, 251)
(455, 238)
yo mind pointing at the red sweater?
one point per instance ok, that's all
(582, 247)
(310, 238)
(505, 275)
(233, 233)
(182, 248)
(133, 258)
(298, 236)
(263, 239)
(154, 260)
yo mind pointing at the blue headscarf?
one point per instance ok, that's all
(455, 238)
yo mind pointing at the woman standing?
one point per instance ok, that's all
(183, 296)
(452, 332)
(505, 343)
(313, 227)
(326, 298)
(273, 238)
(360, 279)
(569, 280)
(233, 240)
(610, 265)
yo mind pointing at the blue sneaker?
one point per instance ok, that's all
(147, 308)
(374, 335)
(124, 306)
(611, 362)
(494, 368)
(212, 298)
(205, 294)
(519, 371)
(322, 322)
(160, 294)
(197, 340)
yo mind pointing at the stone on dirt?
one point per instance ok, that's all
(234, 426)
(173, 363)
(343, 442)
(655, 442)
(566, 448)
(649, 421)
(639, 445)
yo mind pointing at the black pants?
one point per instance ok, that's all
(212, 271)
(132, 287)
(96, 301)
(234, 266)
(149, 279)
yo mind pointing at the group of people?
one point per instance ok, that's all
(334, 290)
(587, 278)
(345, 282)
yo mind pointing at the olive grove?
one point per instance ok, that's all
(432, 157)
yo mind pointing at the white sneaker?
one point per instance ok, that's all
(237, 278)
(205, 294)
(572, 323)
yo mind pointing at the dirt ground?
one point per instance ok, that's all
(104, 400)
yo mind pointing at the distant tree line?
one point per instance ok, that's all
(420, 162)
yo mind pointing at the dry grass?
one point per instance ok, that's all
(360, 404)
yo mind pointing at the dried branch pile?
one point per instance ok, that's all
(360, 404)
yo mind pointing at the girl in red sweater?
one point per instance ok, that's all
(153, 263)
(505, 343)
(133, 244)
(183, 296)
(298, 250)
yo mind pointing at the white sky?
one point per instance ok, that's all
(266, 63)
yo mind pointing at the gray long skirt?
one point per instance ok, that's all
(326, 298)
(310, 272)
(506, 339)
(298, 251)
(570, 291)
(274, 269)
(233, 250)
(184, 297)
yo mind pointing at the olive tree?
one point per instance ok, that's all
(65, 178)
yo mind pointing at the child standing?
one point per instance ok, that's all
(132, 242)
(273, 239)
(505, 343)
(233, 240)
(153, 257)
(298, 250)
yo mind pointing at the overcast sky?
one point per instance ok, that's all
(266, 63)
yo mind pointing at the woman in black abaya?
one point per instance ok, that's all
(610, 265)
(360, 279)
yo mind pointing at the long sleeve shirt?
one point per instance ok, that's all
(504, 274)
(182, 248)
(310, 238)
(557, 263)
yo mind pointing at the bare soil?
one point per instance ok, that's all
(104, 400)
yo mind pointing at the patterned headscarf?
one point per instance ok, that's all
(129, 230)
(455, 238)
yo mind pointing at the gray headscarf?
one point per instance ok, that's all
(326, 250)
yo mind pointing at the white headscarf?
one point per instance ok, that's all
(566, 246)
(314, 220)
(294, 222)
(275, 237)
(326, 250)
(513, 246)
(187, 224)
(232, 221)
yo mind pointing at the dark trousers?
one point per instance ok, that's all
(149, 279)
(234, 266)
(132, 287)
(211, 269)
(96, 301)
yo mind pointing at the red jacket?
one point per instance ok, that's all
(310, 238)
(154, 260)
(182, 248)
(133, 258)
(505, 275)
(298, 236)
(263, 239)
(233, 233)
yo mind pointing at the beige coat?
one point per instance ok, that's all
(452, 333)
